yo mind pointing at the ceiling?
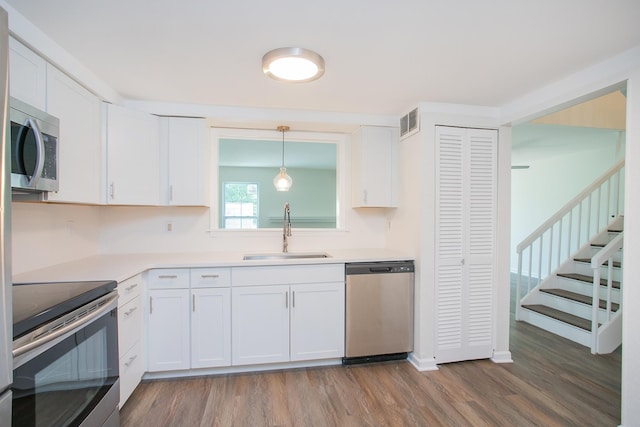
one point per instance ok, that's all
(381, 57)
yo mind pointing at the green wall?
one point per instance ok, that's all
(312, 196)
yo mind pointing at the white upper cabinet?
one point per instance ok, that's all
(184, 162)
(133, 157)
(374, 167)
(28, 75)
(80, 149)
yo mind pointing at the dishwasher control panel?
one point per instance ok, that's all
(380, 267)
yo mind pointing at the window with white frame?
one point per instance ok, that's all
(240, 207)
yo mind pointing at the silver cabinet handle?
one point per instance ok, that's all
(150, 305)
(293, 302)
(129, 312)
(167, 276)
(193, 297)
(130, 361)
(210, 276)
(112, 191)
(171, 193)
(128, 288)
(286, 299)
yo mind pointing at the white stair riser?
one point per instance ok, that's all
(568, 306)
(617, 256)
(556, 327)
(583, 288)
(584, 268)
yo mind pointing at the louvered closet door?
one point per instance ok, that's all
(465, 242)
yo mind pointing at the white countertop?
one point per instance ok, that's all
(123, 266)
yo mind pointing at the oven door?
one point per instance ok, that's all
(71, 380)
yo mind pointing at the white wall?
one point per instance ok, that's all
(562, 162)
(412, 223)
(143, 229)
(597, 80)
(631, 294)
(46, 234)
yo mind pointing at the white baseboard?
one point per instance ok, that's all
(502, 357)
(422, 365)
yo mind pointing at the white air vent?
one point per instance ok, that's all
(409, 124)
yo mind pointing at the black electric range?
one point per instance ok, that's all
(35, 304)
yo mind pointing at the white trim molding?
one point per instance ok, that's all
(423, 365)
(502, 357)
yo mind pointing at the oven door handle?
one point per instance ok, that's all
(38, 344)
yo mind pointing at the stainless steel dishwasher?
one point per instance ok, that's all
(379, 311)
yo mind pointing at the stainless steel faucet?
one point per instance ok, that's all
(286, 227)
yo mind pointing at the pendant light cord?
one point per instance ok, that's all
(283, 129)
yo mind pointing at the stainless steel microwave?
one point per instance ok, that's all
(34, 148)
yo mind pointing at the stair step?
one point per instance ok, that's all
(570, 319)
(616, 264)
(588, 279)
(573, 296)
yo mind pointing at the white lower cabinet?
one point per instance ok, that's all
(317, 321)
(131, 370)
(168, 330)
(260, 324)
(189, 319)
(287, 322)
(218, 317)
(130, 333)
(210, 327)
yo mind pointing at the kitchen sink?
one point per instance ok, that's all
(287, 255)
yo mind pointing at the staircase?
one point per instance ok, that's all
(573, 260)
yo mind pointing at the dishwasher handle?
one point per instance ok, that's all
(380, 269)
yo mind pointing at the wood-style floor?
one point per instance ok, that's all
(552, 382)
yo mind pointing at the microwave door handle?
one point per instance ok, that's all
(37, 173)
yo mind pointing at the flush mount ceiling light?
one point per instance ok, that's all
(293, 64)
(282, 181)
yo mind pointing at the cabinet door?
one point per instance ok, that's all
(374, 167)
(260, 324)
(317, 321)
(133, 152)
(130, 325)
(168, 330)
(465, 242)
(210, 327)
(131, 370)
(27, 75)
(187, 162)
(80, 150)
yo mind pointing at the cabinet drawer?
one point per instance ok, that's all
(282, 275)
(129, 324)
(177, 278)
(131, 369)
(210, 277)
(129, 289)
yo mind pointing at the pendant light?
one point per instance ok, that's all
(282, 181)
